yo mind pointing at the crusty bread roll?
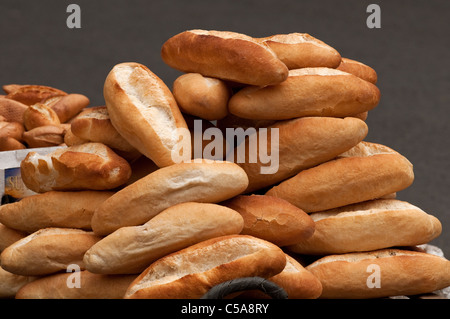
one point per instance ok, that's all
(44, 136)
(366, 226)
(202, 96)
(47, 251)
(398, 273)
(71, 139)
(359, 69)
(191, 272)
(365, 172)
(12, 110)
(67, 106)
(303, 143)
(225, 55)
(12, 129)
(131, 249)
(91, 286)
(136, 204)
(10, 144)
(53, 209)
(39, 115)
(90, 166)
(272, 219)
(301, 50)
(143, 110)
(298, 282)
(94, 124)
(8, 235)
(8, 88)
(32, 94)
(307, 92)
(11, 283)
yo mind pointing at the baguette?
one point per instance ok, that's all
(307, 92)
(298, 282)
(400, 272)
(90, 166)
(272, 219)
(301, 50)
(53, 209)
(11, 283)
(191, 272)
(10, 144)
(202, 96)
(136, 204)
(359, 69)
(44, 136)
(32, 94)
(67, 106)
(303, 143)
(367, 226)
(94, 124)
(365, 172)
(131, 249)
(91, 286)
(224, 55)
(39, 115)
(12, 110)
(48, 251)
(143, 110)
(12, 129)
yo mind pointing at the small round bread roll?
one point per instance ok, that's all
(202, 96)
(39, 114)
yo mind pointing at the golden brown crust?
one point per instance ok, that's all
(67, 106)
(12, 129)
(400, 273)
(90, 166)
(191, 272)
(39, 115)
(359, 69)
(47, 251)
(12, 110)
(307, 92)
(32, 94)
(225, 55)
(8, 235)
(347, 180)
(143, 110)
(92, 286)
(303, 143)
(370, 225)
(209, 182)
(132, 249)
(272, 219)
(10, 144)
(201, 96)
(11, 283)
(53, 209)
(301, 50)
(44, 136)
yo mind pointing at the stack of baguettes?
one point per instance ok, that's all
(137, 223)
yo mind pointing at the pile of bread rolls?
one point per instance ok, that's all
(35, 116)
(117, 217)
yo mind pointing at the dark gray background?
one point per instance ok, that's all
(410, 54)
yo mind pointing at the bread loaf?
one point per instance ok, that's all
(90, 166)
(302, 143)
(44, 136)
(301, 50)
(47, 251)
(366, 226)
(143, 110)
(202, 96)
(380, 273)
(307, 92)
(81, 285)
(191, 272)
(224, 55)
(32, 94)
(359, 69)
(12, 129)
(12, 110)
(39, 115)
(53, 209)
(365, 172)
(131, 249)
(136, 204)
(272, 219)
(11, 283)
(67, 106)
(8, 236)
(10, 144)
